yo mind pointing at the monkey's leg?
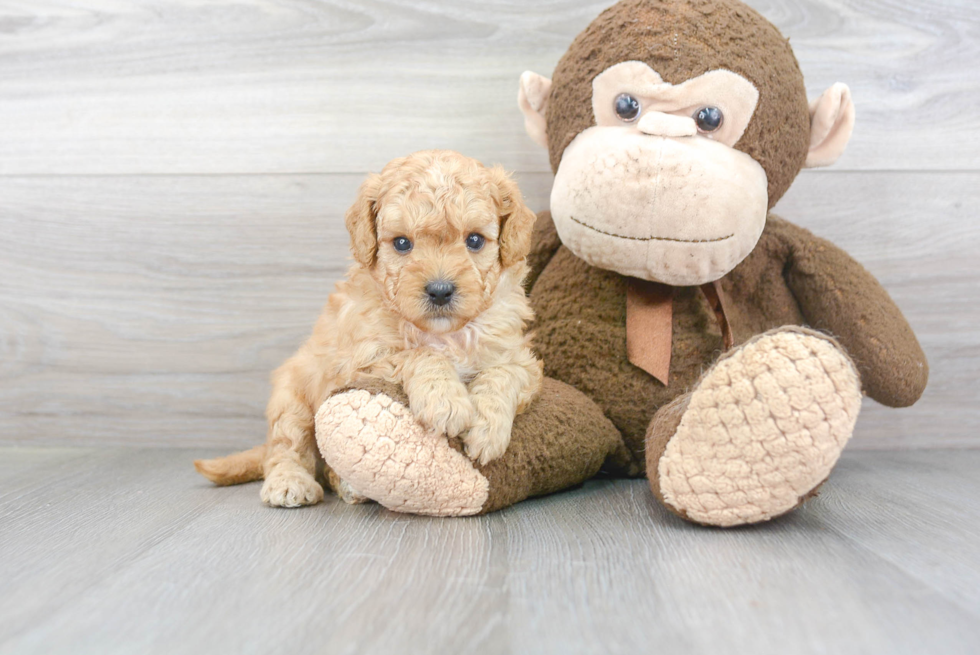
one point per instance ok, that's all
(760, 431)
(373, 443)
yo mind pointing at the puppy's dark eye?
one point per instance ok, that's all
(475, 242)
(402, 245)
(709, 119)
(627, 107)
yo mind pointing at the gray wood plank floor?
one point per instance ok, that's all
(128, 551)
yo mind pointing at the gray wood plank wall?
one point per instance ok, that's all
(173, 175)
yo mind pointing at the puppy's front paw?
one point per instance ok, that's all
(290, 488)
(447, 411)
(490, 435)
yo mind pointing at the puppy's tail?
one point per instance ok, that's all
(233, 469)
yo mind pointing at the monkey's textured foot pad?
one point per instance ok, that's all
(375, 444)
(762, 429)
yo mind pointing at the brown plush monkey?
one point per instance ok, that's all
(689, 334)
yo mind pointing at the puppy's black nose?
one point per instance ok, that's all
(440, 292)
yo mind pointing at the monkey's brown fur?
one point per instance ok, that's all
(586, 346)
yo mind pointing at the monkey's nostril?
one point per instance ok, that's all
(440, 292)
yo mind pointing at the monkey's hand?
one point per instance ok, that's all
(838, 295)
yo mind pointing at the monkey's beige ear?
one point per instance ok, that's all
(516, 219)
(831, 124)
(362, 222)
(532, 98)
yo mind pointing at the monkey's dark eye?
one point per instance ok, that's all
(627, 107)
(709, 119)
(475, 242)
(402, 245)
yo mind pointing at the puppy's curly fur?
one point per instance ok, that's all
(458, 348)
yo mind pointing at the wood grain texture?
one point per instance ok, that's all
(277, 86)
(152, 309)
(129, 551)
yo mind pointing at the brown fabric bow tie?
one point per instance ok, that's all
(649, 324)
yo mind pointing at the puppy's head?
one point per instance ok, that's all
(437, 231)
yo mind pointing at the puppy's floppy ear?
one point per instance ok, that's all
(362, 222)
(516, 220)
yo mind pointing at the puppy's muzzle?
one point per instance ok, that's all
(440, 292)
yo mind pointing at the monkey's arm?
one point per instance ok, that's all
(544, 243)
(838, 295)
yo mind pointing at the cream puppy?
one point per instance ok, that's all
(434, 302)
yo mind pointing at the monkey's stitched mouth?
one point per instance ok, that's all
(624, 236)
